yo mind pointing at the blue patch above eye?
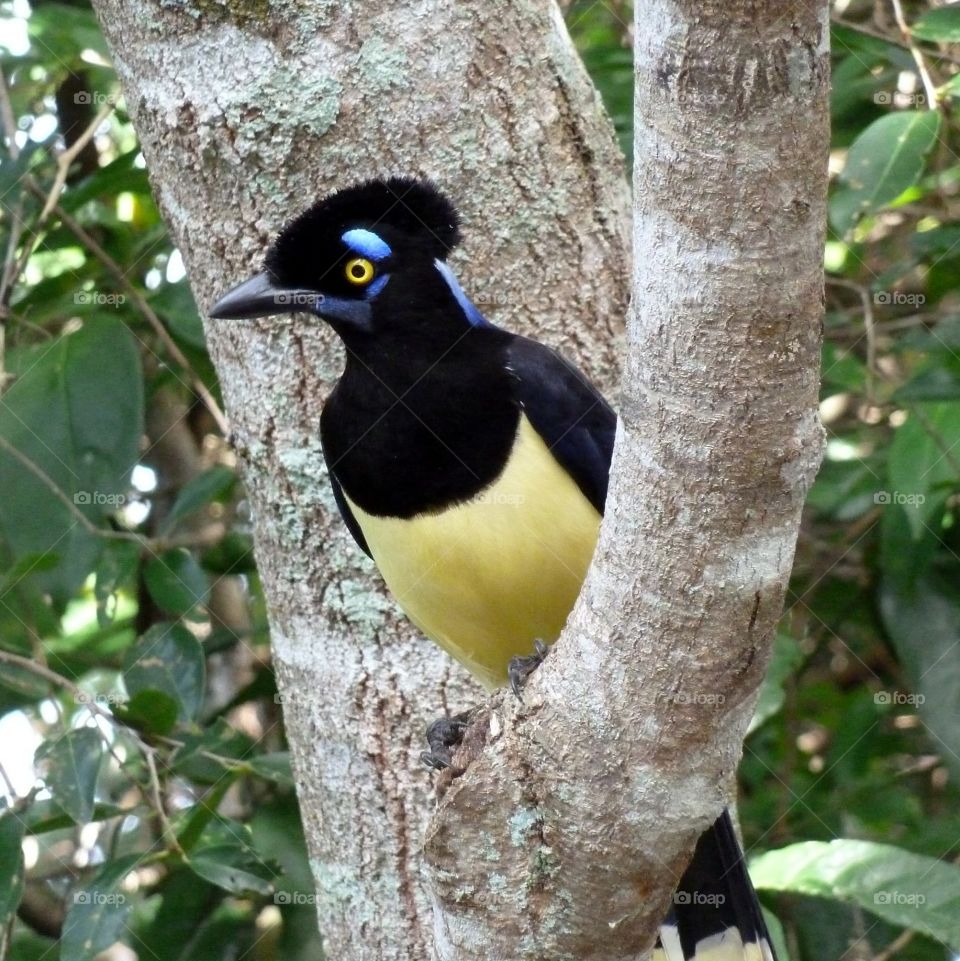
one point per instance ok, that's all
(367, 244)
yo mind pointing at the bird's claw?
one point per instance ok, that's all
(520, 668)
(443, 735)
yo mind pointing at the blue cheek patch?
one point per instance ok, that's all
(473, 316)
(367, 244)
(376, 287)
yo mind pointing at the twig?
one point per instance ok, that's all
(886, 38)
(158, 802)
(50, 197)
(66, 159)
(895, 946)
(51, 485)
(929, 87)
(16, 225)
(141, 304)
(869, 328)
(206, 537)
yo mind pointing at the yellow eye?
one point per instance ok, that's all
(358, 271)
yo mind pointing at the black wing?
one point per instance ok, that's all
(568, 412)
(347, 515)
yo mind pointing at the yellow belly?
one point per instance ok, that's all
(488, 577)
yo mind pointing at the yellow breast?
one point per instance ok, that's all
(486, 578)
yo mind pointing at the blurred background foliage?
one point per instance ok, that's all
(146, 803)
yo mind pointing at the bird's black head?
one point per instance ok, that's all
(366, 259)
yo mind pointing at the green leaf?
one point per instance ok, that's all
(119, 176)
(935, 381)
(211, 485)
(176, 582)
(905, 889)
(274, 767)
(72, 766)
(65, 32)
(787, 657)
(940, 26)
(233, 868)
(193, 760)
(12, 830)
(44, 816)
(168, 658)
(885, 160)
(97, 912)
(921, 466)
(175, 304)
(152, 711)
(117, 567)
(923, 621)
(195, 820)
(82, 430)
(232, 554)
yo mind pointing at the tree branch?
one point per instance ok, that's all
(586, 805)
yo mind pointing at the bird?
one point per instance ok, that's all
(471, 464)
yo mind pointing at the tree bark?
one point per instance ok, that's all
(247, 112)
(581, 809)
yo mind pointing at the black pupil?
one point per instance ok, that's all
(358, 270)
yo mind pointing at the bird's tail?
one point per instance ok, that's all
(715, 915)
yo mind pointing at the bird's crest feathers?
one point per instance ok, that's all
(411, 208)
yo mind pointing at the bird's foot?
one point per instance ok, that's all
(520, 668)
(443, 735)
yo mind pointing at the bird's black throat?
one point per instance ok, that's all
(420, 423)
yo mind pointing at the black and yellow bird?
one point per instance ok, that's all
(471, 464)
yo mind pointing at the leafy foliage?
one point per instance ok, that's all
(133, 650)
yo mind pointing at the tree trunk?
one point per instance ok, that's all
(566, 836)
(248, 112)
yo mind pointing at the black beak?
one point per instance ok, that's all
(259, 297)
